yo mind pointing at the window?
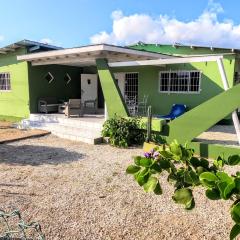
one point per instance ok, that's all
(180, 81)
(67, 78)
(131, 86)
(49, 77)
(5, 82)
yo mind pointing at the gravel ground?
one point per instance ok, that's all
(80, 191)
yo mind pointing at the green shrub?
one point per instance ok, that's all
(187, 171)
(123, 132)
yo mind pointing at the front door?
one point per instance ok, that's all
(89, 87)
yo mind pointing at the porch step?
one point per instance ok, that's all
(87, 130)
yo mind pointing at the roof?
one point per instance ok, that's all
(31, 45)
(179, 49)
(87, 55)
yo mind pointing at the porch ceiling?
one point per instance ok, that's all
(86, 56)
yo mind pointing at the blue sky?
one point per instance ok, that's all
(80, 22)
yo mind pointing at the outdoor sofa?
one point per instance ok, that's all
(48, 104)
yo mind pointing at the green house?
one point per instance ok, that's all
(24, 81)
(112, 76)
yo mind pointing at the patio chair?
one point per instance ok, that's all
(176, 111)
(74, 108)
(142, 106)
(131, 105)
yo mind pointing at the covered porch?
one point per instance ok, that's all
(85, 75)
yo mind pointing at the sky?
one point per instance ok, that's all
(71, 23)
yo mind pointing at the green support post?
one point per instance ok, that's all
(191, 124)
(112, 95)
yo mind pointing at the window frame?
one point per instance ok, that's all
(10, 84)
(188, 86)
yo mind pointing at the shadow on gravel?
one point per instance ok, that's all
(36, 155)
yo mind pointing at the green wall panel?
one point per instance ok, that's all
(112, 95)
(39, 87)
(16, 101)
(204, 116)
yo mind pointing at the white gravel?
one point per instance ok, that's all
(80, 191)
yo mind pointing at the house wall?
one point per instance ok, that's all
(39, 87)
(161, 103)
(16, 101)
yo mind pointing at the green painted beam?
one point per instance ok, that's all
(204, 116)
(112, 95)
(204, 149)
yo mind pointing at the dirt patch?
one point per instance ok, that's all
(8, 133)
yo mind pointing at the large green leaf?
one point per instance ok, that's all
(213, 194)
(151, 184)
(137, 160)
(132, 169)
(233, 160)
(145, 162)
(142, 177)
(175, 148)
(208, 179)
(156, 167)
(204, 163)
(195, 162)
(235, 212)
(164, 163)
(237, 184)
(184, 196)
(158, 189)
(191, 177)
(166, 154)
(235, 232)
(224, 177)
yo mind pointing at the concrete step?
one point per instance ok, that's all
(73, 129)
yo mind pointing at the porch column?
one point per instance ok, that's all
(113, 98)
(226, 87)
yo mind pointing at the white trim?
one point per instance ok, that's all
(89, 49)
(159, 62)
(180, 92)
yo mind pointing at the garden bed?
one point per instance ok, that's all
(8, 133)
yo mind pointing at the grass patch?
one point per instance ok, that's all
(12, 119)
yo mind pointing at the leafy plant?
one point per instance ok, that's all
(187, 171)
(123, 132)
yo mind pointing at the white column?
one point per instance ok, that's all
(226, 87)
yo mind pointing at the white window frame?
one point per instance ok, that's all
(10, 85)
(181, 92)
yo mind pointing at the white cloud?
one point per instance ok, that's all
(1, 37)
(46, 41)
(207, 29)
